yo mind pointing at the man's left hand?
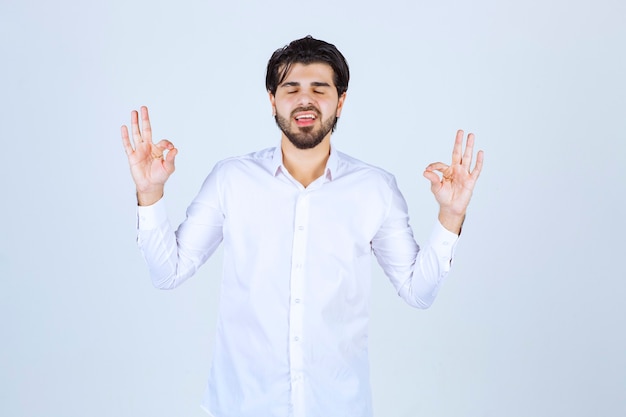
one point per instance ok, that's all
(453, 190)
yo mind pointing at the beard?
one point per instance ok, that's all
(306, 137)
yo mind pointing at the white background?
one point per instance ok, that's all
(532, 319)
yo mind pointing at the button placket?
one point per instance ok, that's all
(296, 352)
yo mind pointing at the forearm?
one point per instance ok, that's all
(157, 243)
(172, 257)
(432, 265)
(417, 274)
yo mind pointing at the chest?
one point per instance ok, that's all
(340, 216)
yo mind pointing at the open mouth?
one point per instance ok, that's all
(305, 119)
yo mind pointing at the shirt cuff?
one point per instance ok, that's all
(150, 217)
(443, 242)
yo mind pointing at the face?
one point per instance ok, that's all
(306, 104)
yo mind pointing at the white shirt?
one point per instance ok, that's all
(294, 305)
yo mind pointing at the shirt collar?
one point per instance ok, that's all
(277, 160)
(331, 165)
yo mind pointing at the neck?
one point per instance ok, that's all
(305, 165)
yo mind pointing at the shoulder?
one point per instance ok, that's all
(350, 166)
(254, 158)
(238, 171)
(259, 160)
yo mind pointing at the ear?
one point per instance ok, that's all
(273, 102)
(342, 98)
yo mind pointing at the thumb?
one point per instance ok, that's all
(434, 179)
(168, 161)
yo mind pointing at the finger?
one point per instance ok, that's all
(134, 125)
(457, 150)
(126, 141)
(469, 152)
(146, 128)
(435, 181)
(447, 172)
(436, 166)
(168, 161)
(479, 165)
(164, 145)
(159, 149)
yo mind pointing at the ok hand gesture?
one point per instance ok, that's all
(150, 165)
(453, 190)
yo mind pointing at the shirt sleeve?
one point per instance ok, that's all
(416, 273)
(173, 256)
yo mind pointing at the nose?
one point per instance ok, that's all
(305, 98)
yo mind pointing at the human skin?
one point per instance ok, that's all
(309, 87)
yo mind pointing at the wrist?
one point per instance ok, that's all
(452, 221)
(148, 198)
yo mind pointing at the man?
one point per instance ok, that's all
(298, 223)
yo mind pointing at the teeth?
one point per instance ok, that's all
(305, 116)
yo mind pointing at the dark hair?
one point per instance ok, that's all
(306, 51)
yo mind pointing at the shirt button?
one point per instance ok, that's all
(297, 339)
(297, 301)
(300, 227)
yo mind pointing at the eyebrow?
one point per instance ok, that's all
(297, 84)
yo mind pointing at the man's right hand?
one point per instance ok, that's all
(150, 164)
